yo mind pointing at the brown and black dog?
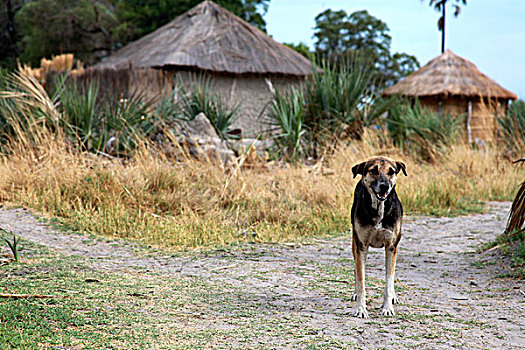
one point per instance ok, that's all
(376, 222)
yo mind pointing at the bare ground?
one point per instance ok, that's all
(451, 296)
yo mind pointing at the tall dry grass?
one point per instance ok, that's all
(189, 204)
(158, 201)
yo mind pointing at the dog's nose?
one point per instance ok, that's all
(383, 188)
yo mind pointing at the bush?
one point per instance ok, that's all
(512, 127)
(286, 115)
(337, 103)
(421, 131)
(200, 99)
(87, 119)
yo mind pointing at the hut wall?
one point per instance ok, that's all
(451, 105)
(483, 124)
(483, 120)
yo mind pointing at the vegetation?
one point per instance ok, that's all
(78, 111)
(13, 246)
(331, 106)
(512, 128)
(422, 132)
(287, 115)
(440, 6)
(341, 36)
(201, 99)
(93, 29)
(105, 121)
(191, 203)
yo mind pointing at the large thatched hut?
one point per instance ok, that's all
(452, 84)
(245, 65)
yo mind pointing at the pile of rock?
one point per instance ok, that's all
(199, 139)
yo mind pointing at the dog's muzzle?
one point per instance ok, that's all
(381, 191)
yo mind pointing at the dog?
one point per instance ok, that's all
(376, 222)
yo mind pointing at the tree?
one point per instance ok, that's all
(340, 36)
(301, 48)
(81, 27)
(9, 35)
(440, 6)
(92, 29)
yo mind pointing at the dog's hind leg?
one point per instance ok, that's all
(360, 252)
(390, 295)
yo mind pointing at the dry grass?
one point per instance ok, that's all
(160, 202)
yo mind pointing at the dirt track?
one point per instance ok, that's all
(451, 296)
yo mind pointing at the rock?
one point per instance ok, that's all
(199, 138)
(199, 127)
(111, 146)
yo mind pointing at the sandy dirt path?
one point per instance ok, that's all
(451, 296)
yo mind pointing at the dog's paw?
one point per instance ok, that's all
(387, 311)
(360, 311)
(354, 297)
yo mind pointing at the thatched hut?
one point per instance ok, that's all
(452, 84)
(245, 64)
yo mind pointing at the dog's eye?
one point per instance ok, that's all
(391, 172)
(374, 171)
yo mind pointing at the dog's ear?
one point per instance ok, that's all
(359, 169)
(401, 167)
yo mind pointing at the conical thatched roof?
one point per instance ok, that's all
(211, 38)
(449, 75)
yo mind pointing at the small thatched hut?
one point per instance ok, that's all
(244, 63)
(452, 84)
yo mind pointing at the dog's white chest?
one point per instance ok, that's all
(376, 236)
(380, 214)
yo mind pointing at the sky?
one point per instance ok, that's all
(490, 33)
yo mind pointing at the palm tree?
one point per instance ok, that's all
(440, 6)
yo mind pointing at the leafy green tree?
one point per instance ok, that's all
(94, 28)
(81, 27)
(340, 36)
(9, 35)
(302, 48)
(440, 6)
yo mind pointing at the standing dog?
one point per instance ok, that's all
(376, 222)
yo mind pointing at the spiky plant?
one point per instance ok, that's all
(337, 103)
(512, 127)
(286, 115)
(199, 98)
(421, 131)
(28, 112)
(13, 246)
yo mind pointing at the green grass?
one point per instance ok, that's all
(95, 309)
(136, 308)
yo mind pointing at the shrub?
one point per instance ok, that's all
(512, 127)
(421, 131)
(337, 103)
(81, 115)
(286, 116)
(88, 119)
(200, 99)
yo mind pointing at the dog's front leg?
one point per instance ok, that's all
(390, 295)
(360, 253)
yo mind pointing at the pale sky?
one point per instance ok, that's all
(490, 33)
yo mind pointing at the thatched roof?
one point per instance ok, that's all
(449, 75)
(211, 38)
